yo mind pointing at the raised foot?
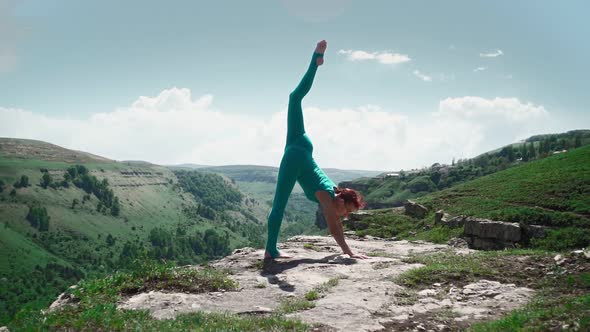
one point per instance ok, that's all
(321, 48)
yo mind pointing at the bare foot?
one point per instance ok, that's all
(321, 48)
(281, 255)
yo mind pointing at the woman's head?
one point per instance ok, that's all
(350, 199)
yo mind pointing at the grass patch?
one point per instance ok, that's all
(311, 246)
(439, 234)
(324, 287)
(257, 266)
(312, 295)
(155, 276)
(463, 269)
(290, 305)
(544, 314)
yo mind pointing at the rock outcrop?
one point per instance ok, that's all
(491, 235)
(365, 297)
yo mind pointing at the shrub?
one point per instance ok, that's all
(46, 180)
(23, 182)
(38, 218)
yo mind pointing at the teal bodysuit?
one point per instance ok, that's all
(297, 164)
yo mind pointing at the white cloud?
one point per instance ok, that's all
(497, 121)
(423, 77)
(479, 69)
(175, 128)
(386, 58)
(494, 54)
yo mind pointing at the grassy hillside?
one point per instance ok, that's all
(84, 238)
(554, 192)
(393, 189)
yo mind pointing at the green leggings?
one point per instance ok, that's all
(297, 155)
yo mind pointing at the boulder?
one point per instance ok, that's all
(64, 299)
(457, 242)
(491, 235)
(441, 218)
(415, 210)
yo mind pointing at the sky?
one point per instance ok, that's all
(405, 84)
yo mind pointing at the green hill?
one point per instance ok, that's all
(391, 190)
(62, 227)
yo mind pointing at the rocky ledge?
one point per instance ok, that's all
(365, 297)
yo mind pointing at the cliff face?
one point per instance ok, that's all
(322, 287)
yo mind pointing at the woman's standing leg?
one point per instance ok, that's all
(288, 172)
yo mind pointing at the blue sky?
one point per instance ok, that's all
(66, 61)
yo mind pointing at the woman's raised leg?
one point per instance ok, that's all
(295, 127)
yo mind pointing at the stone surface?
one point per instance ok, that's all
(365, 298)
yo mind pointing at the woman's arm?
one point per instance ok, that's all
(334, 224)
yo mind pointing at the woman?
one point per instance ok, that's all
(298, 165)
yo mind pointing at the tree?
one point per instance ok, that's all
(110, 240)
(578, 141)
(532, 151)
(510, 155)
(1, 186)
(116, 207)
(75, 202)
(46, 180)
(524, 152)
(38, 218)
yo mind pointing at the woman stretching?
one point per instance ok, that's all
(298, 165)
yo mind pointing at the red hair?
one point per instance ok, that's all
(350, 196)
